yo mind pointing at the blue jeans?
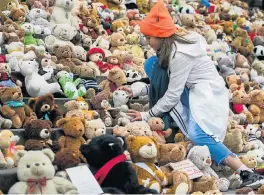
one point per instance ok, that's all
(217, 149)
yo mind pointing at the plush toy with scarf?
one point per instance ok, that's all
(157, 126)
(45, 108)
(105, 155)
(35, 173)
(13, 106)
(9, 152)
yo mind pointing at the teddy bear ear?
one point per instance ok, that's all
(49, 95)
(31, 102)
(2, 90)
(130, 139)
(61, 122)
(19, 154)
(48, 152)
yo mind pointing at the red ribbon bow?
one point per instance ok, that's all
(160, 132)
(36, 182)
(12, 147)
(102, 173)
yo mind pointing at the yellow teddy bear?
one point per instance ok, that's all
(143, 152)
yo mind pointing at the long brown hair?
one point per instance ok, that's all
(166, 47)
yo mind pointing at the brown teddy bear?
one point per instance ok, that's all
(157, 127)
(100, 105)
(80, 108)
(73, 135)
(38, 133)
(234, 83)
(91, 26)
(242, 43)
(13, 106)
(114, 61)
(121, 131)
(118, 41)
(228, 27)
(256, 105)
(143, 151)
(18, 15)
(116, 78)
(45, 108)
(11, 27)
(233, 138)
(240, 100)
(64, 55)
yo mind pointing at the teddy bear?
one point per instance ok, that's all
(9, 152)
(157, 127)
(79, 53)
(150, 175)
(241, 63)
(121, 177)
(39, 18)
(234, 83)
(16, 53)
(249, 161)
(81, 108)
(228, 26)
(118, 41)
(45, 108)
(50, 61)
(226, 66)
(132, 44)
(38, 133)
(254, 135)
(103, 42)
(117, 7)
(61, 13)
(36, 85)
(139, 128)
(64, 53)
(257, 97)
(239, 100)
(259, 154)
(6, 79)
(61, 34)
(13, 106)
(121, 131)
(90, 26)
(30, 40)
(101, 105)
(242, 42)
(115, 79)
(18, 15)
(201, 157)
(9, 38)
(3, 145)
(38, 176)
(73, 129)
(71, 89)
(96, 57)
(114, 61)
(94, 128)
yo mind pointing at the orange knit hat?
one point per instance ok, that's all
(158, 22)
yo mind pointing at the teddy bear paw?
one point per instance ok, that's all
(155, 186)
(182, 188)
(10, 163)
(3, 164)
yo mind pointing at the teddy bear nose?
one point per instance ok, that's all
(149, 144)
(67, 2)
(121, 39)
(46, 131)
(37, 164)
(38, 11)
(208, 161)
(80, 130)
(262, 157)
(19, 94)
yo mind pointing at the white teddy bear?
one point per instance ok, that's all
(38, 17)
(259, 154)
(94, 128)
(61, 13)
(254, 135)
(35, 173)
(62, 34)
(36, 85)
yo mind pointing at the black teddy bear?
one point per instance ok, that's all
(121, 179)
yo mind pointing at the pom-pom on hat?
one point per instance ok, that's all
(96, 50)
(158, 22)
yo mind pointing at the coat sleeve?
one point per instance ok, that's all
(180, 68)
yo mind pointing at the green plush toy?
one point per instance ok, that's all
(30, 40)
(69, 86)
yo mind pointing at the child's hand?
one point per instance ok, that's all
(135, 115)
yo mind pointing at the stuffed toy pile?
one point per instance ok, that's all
(61, 63)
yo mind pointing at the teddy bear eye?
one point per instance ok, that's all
(43, 163)
(28, 166)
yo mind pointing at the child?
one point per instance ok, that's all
(186, 87)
